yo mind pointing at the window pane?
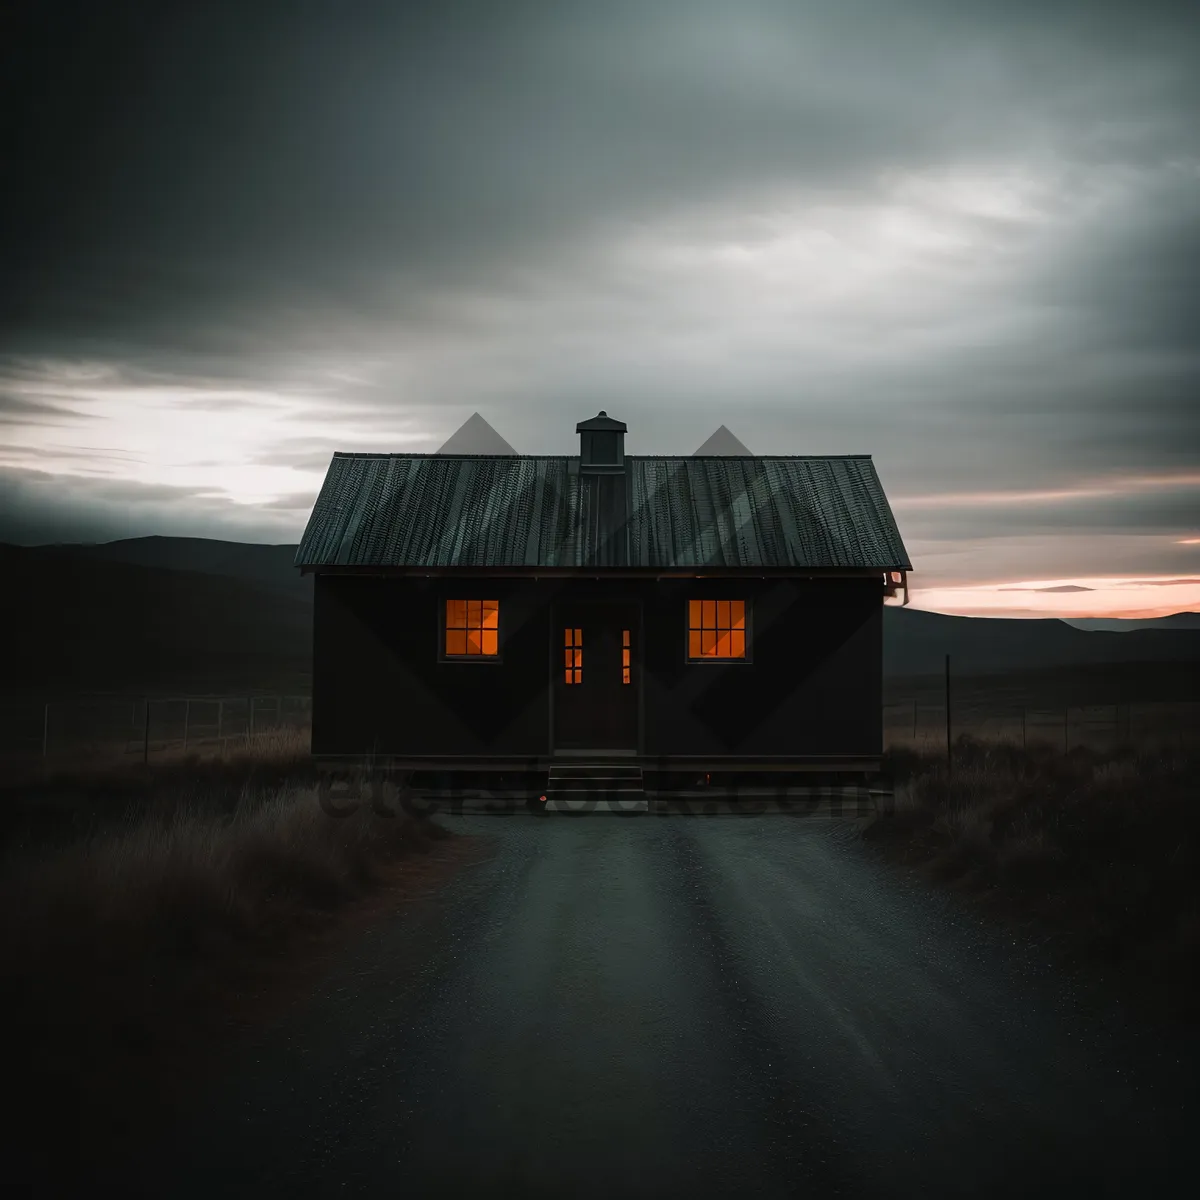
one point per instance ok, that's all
(475, 613)
(722, 614)
(708, 642)
(491, 642)
(456, 614)
(737, 612)
(723, 649)
(578, 658)
(474, 641)
(694, 643)
(693, 614)
(737, 644)
(456, 641)
(624, 637)
(491, 614)
(709, 614)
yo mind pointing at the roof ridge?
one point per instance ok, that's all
(548, 457)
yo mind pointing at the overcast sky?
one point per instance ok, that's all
(961, 237)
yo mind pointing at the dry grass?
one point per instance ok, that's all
(1101, 849)
(133, 922)
(291, 744)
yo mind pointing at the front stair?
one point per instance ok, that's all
(599, 787)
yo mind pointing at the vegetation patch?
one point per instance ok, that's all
(1098, 849)
(149, 912)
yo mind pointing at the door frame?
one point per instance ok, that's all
(556, 661)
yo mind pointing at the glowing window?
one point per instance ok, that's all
(574, 655)
(625, 655)
(472, 628)
(716, 629)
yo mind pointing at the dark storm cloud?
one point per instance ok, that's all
(1158, 510)
(37, 507)
(183, 167)
(399, 214)
(21, 410)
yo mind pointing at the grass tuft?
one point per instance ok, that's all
(1102, 847)
(143, 903)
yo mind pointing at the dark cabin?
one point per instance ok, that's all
(688, 613)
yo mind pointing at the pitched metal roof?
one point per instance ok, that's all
(431, 510)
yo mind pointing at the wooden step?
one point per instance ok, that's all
(581, 787)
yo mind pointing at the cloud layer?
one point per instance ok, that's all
(960, 237)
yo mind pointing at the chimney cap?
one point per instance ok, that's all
(601, 421)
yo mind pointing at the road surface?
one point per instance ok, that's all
(688, 1007)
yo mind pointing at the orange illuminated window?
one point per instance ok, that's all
(625, 655)
(716, 629)
(472, 628)
(573, 655)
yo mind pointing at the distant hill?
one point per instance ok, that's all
(1183, 620)
(173, 609)
(268, 566)
(916, 642)
(73, 620)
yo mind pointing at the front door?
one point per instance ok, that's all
(595, 676)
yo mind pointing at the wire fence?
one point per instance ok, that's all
(132, 729)
(919, 723)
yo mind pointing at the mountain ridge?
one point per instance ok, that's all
(237, 606)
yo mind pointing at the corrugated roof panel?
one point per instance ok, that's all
(664, 512)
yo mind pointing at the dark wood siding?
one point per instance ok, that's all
(378, 684)
(813, 686)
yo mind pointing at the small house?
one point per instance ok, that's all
(699, 613)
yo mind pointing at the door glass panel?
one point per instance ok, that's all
(573, 655)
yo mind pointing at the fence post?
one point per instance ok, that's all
(187, 713)
(45, 727)
(146, 734)
(948, 743)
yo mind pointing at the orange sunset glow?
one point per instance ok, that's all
(1100, 596)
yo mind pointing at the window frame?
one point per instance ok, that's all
(746, 660)
(470, 659)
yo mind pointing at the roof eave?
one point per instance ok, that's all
(759, 572)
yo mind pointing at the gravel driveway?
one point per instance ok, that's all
(674, 1006)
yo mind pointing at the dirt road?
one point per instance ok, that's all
(690, 1007)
